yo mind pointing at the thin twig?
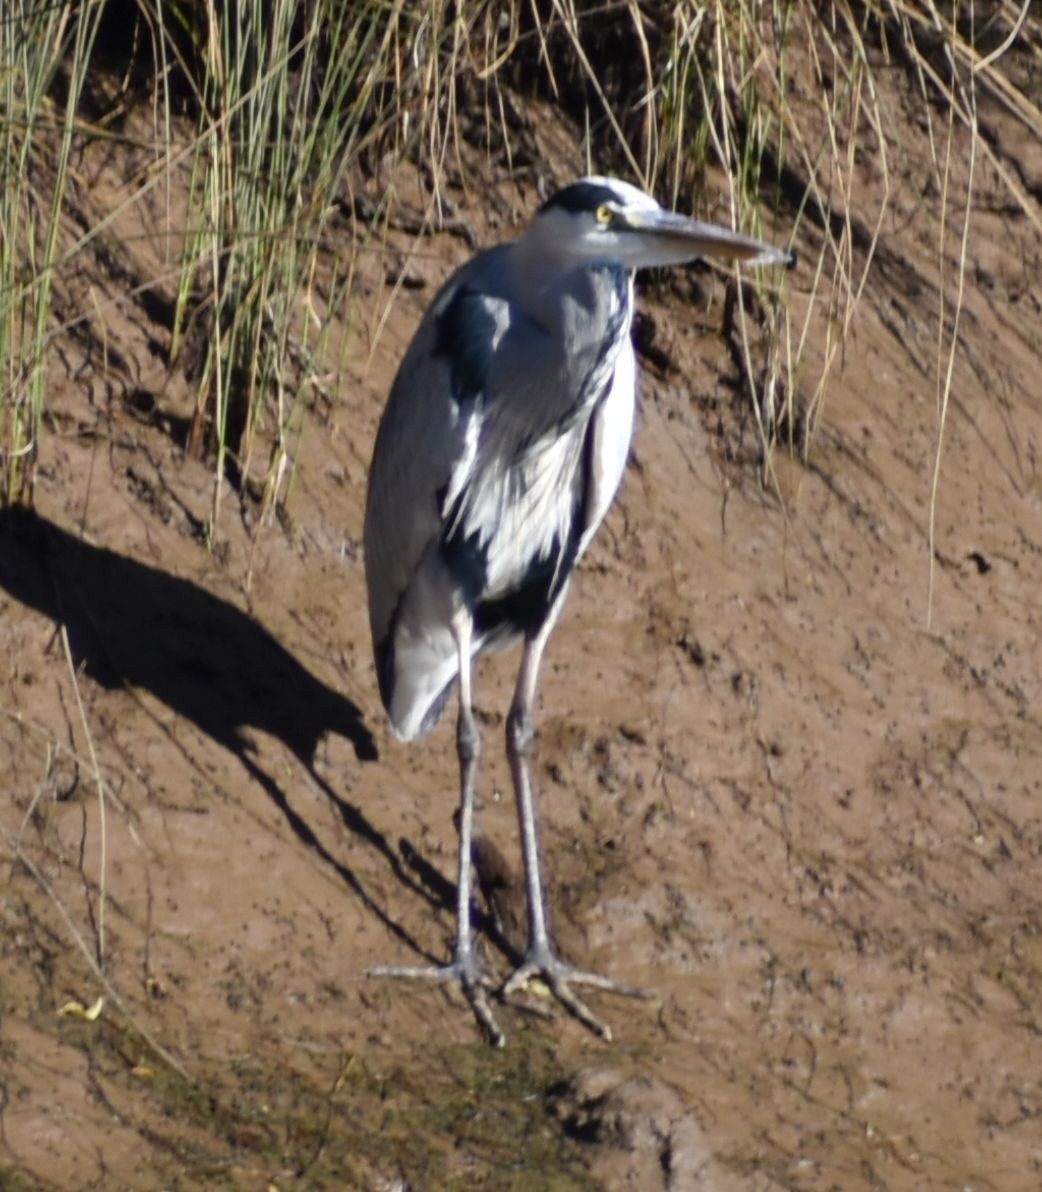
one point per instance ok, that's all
(76, 935)
(102, 828)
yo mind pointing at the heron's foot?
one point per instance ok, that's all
(463, 972)
(559, 977)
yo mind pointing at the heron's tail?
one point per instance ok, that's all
(415, 672)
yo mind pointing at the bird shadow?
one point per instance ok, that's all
(130, 624)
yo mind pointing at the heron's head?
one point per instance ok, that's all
(603, 219)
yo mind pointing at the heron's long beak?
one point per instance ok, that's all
(672, 239)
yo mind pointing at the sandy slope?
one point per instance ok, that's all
(773, 794)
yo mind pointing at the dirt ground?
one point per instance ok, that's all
(782, 787)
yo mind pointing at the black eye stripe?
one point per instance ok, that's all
(581, 196)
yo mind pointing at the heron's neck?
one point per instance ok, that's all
(547, 286)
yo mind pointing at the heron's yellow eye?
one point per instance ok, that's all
(604, 215)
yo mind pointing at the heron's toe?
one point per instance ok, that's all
(557, 977)
(463, 972)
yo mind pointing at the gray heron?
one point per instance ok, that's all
(499, 453)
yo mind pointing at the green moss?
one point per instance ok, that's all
(459, 1117)
(14, 1181)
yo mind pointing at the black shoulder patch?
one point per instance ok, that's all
(465, 334)
(522, 610)
(581, 196)
(465, 557)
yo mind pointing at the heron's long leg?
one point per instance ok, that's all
(540, 958)
(519, 747)
(464, 969)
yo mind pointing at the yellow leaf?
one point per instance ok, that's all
(78, 1010)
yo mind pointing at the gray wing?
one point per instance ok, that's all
(481, 386)
(427, 434)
